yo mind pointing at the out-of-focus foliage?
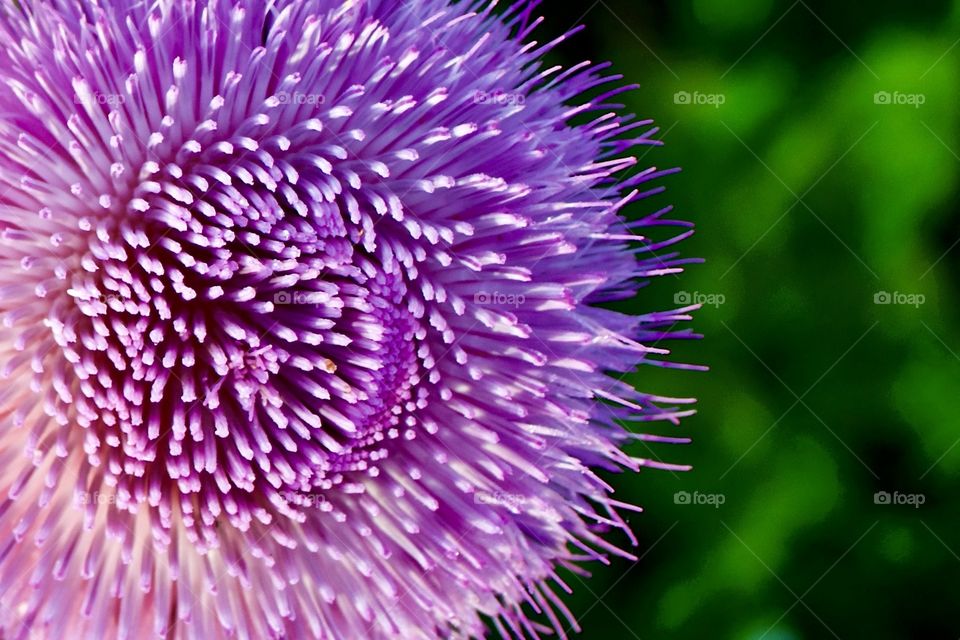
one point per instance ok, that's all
(821, 156)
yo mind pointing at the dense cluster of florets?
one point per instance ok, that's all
(302, 333)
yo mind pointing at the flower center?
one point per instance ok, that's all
(224, 327)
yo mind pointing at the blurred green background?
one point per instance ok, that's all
(820, 160)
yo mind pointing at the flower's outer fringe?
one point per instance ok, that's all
(303, 319)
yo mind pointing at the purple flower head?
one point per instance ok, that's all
(304, 311)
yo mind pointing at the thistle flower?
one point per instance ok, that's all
(304, 323)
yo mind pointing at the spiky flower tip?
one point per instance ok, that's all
(304, 312)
